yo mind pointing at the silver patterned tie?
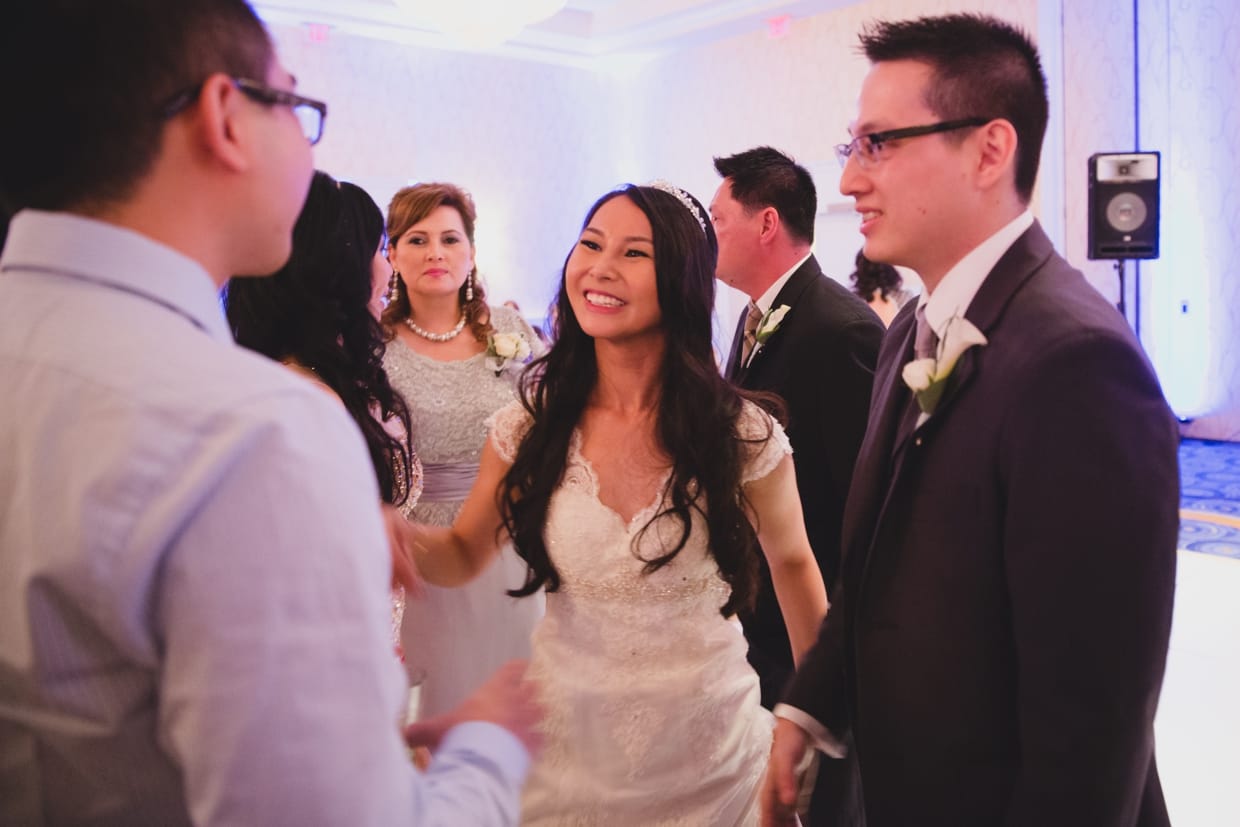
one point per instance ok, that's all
(925, 341)
(752, 318)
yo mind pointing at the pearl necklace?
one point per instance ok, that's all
(436, 337)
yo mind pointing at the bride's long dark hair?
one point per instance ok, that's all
(697, 420)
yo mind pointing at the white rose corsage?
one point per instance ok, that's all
(767, 325)
(506, 348)
(927, 378)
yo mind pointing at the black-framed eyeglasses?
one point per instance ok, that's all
(868, 148)
(310, 113)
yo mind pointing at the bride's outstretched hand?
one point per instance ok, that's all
(399, 532)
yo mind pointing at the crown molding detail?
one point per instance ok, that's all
(589, 34)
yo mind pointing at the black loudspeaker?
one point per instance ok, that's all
(1123, 205)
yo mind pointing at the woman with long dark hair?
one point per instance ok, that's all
(632, 479)
(318, 315)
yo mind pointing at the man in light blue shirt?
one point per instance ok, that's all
(193, 568)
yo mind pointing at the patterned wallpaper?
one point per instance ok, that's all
(1188, 55)
(535, 144)
(538, 143)
(1190, 79)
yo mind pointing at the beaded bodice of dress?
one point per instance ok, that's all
(600, 557)
(449, 403)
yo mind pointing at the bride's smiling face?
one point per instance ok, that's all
(610, 275)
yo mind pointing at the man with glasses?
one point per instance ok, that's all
(996, 646)
(310, 113)
(194, 571)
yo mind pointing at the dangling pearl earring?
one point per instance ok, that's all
(393, 282)
(469, 287)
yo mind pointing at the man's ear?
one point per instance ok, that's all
(221, 122)
(770, 224)
(997, 152)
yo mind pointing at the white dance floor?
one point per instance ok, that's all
(1198, 725)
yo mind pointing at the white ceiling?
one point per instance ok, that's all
(583, 33)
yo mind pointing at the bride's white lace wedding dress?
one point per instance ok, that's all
(652, 712)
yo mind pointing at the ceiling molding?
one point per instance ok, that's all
(589, 34)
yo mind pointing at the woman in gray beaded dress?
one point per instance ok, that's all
(455, 360)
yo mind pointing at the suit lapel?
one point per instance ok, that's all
(733, 370)
(788, 294)
(1022, 259)
(889, 405)
(881, 460)
(895, 421)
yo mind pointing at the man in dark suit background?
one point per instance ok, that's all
(996, 644)
(818, 356)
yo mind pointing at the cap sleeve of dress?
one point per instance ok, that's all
(508, 427)
(765, 442)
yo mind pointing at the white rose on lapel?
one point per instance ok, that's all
(927, 378)
(503, 348)
(770, 322)
(919, 374)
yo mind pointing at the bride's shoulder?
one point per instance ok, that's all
(508, 427)
(766, 443)
(755, 421)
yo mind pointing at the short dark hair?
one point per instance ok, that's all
(983, 68)
(315, 310)
(85, 81)
(765, 177)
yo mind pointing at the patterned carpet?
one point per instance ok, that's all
(1210, 497)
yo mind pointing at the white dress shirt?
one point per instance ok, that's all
(194, 615)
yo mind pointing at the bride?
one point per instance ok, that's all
(632, 479)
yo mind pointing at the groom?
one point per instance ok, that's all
(996, 645)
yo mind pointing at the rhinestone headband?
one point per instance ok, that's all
(681, 196)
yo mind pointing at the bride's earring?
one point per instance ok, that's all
(393, 283)
(469, 287)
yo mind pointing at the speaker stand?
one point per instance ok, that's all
(1121, 271)
(1122, 304)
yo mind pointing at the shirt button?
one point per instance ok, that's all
(917, 441)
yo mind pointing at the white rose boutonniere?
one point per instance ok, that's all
(505, 348)
(770, 322)
(927, 378)
(767, 325)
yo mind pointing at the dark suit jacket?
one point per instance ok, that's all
(821, 362)
(997, 642)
